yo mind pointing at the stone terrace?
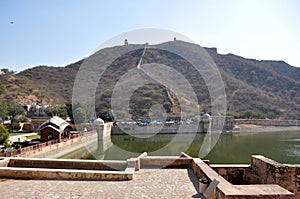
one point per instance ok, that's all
(147, 183)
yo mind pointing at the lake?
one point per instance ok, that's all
(230, 148)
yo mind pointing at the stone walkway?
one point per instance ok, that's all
(148, 183)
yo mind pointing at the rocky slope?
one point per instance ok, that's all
(268, 88)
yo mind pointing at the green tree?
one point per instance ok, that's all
(249, 114)
(106, 115)
(23, 119)
(80, 115)
(13, 110)
(69, 108)
(60, 110)
(2, 88)
(232, 113)
(7, 71)
(3, 109)
(4, 134)
(50, 111)
(81, 112)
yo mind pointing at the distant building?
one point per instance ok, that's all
(55, 128)
(26, 127)
(37, 121)
(34, 109)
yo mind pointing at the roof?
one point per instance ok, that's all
(206, 116)
(56, 123)
(98, 121)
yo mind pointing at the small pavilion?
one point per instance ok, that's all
(55, 128)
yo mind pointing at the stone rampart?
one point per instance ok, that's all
(268, 122)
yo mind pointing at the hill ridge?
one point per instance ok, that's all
(268, 87)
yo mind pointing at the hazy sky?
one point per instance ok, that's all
(59, 32)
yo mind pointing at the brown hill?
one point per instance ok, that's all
(22, 90)
(268, 88)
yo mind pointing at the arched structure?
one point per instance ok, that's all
(55, 128)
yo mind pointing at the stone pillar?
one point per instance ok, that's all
(104, 137)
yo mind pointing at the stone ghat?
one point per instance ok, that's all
(263, 178)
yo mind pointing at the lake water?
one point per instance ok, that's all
(231, 147)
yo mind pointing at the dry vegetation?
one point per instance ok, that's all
(267, 88)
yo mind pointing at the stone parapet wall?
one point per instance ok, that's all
(227, 190)
(59, 149)
(268, 122)
(21, 173)
(225, 123)
(262, 171)
(34, 168)
(133, 129)
(55, 149)
(103, 130)
(67, 164)
(165, 161)
(236, 174)
(270, 171)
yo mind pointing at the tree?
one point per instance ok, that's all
(2, 88)
(80, 115)
(69, 108)
(4, 134)
(13, 110)
(249, 114)
(3, 109)
(7, 71)
(106, 115)
(232, 113)
(60, 111)
(82, 112)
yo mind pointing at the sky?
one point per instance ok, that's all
(60, 32)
